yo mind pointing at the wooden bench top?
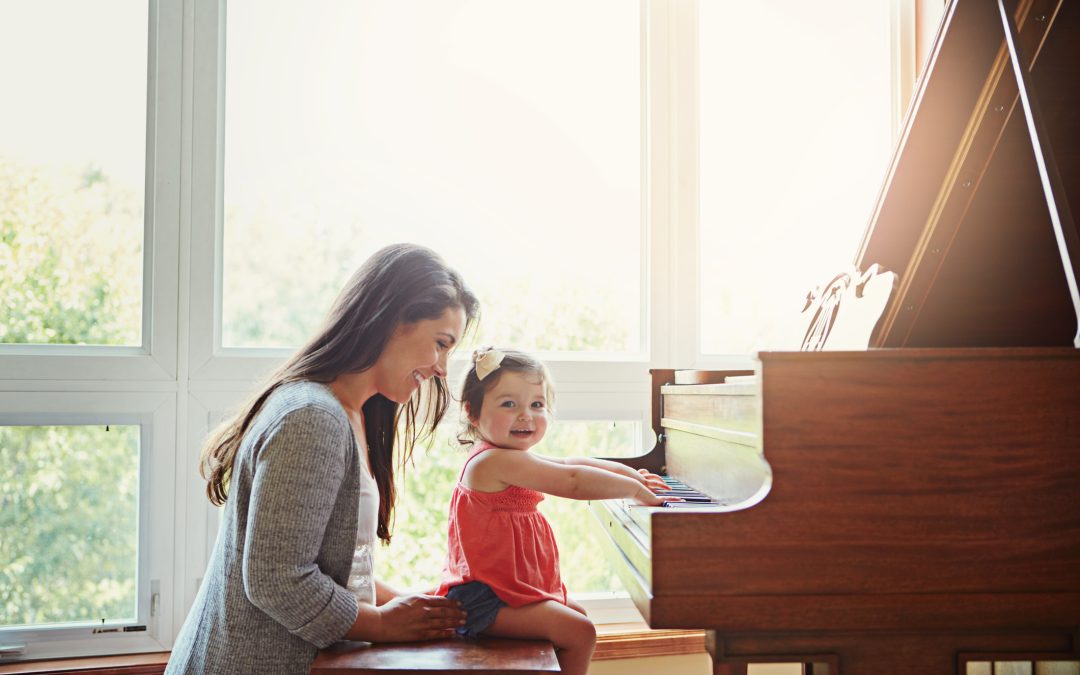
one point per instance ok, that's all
(456, 655)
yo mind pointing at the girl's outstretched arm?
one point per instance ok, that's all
(651, 480)
(561, 479)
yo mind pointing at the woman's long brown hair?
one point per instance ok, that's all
(399, 284)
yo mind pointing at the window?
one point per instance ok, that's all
(74, 559)
(86, 545)
(89, 196)
(460, 124)
(177, 210)
(794, 143)
(72, 170)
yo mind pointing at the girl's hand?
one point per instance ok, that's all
(409, 618)
(651, 480)
(646, 497)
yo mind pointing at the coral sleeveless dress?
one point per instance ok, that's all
(502, 540)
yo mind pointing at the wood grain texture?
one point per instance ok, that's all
(935, 473)
(642, 642)
(922, 501)
(458, 656)
(121, 664)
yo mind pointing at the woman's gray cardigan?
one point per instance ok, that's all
(274, 590)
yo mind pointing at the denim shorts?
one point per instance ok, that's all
(479, 603)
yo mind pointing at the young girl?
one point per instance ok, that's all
(503, 564)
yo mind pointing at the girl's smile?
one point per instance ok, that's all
(514, 413)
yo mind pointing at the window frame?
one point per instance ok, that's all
(80, 384)
(155, 413)
(155, 359)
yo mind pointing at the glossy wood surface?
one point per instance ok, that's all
(963, 217)
(923, 501)
(117, 664)
(455, 656)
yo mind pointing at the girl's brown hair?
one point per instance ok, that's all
(399, 284)
(473, 388)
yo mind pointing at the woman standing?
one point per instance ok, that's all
(291, 571)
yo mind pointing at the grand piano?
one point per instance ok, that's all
(913, 506)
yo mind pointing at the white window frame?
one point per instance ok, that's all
(155, 358)
(75, 384)
(78, 403)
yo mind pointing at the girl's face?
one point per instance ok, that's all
(417, 352)
(514, 413)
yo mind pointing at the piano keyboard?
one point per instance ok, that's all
(690, 497)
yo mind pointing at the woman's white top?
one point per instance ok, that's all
(362, 574)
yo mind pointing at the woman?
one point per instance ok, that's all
(291, 571)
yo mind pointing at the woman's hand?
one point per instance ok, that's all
(408, 618)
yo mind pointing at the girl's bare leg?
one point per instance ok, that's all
(576, 607)
(573, 635)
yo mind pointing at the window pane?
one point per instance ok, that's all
(795, 141)
(415, 558)
(72, 169)
(505, 135)
(69, 514)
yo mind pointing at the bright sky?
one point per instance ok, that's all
(457, 124)
(74, 84)
(795, 141)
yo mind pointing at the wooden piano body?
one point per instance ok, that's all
(916, 505)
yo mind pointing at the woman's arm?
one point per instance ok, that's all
(561, 479)
(297, 469)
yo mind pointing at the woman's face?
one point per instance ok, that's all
(416, 352)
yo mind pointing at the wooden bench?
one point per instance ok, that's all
(456, 655)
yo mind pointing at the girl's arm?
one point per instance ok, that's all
(651, 480)
(384, 592)
(562, 479)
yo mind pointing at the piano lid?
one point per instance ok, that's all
(963, 216)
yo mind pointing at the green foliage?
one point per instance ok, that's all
(281, 274)
(283, 270)
(70, 258)
(69, 519)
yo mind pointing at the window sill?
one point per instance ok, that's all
(127, 664)
(637, 640)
